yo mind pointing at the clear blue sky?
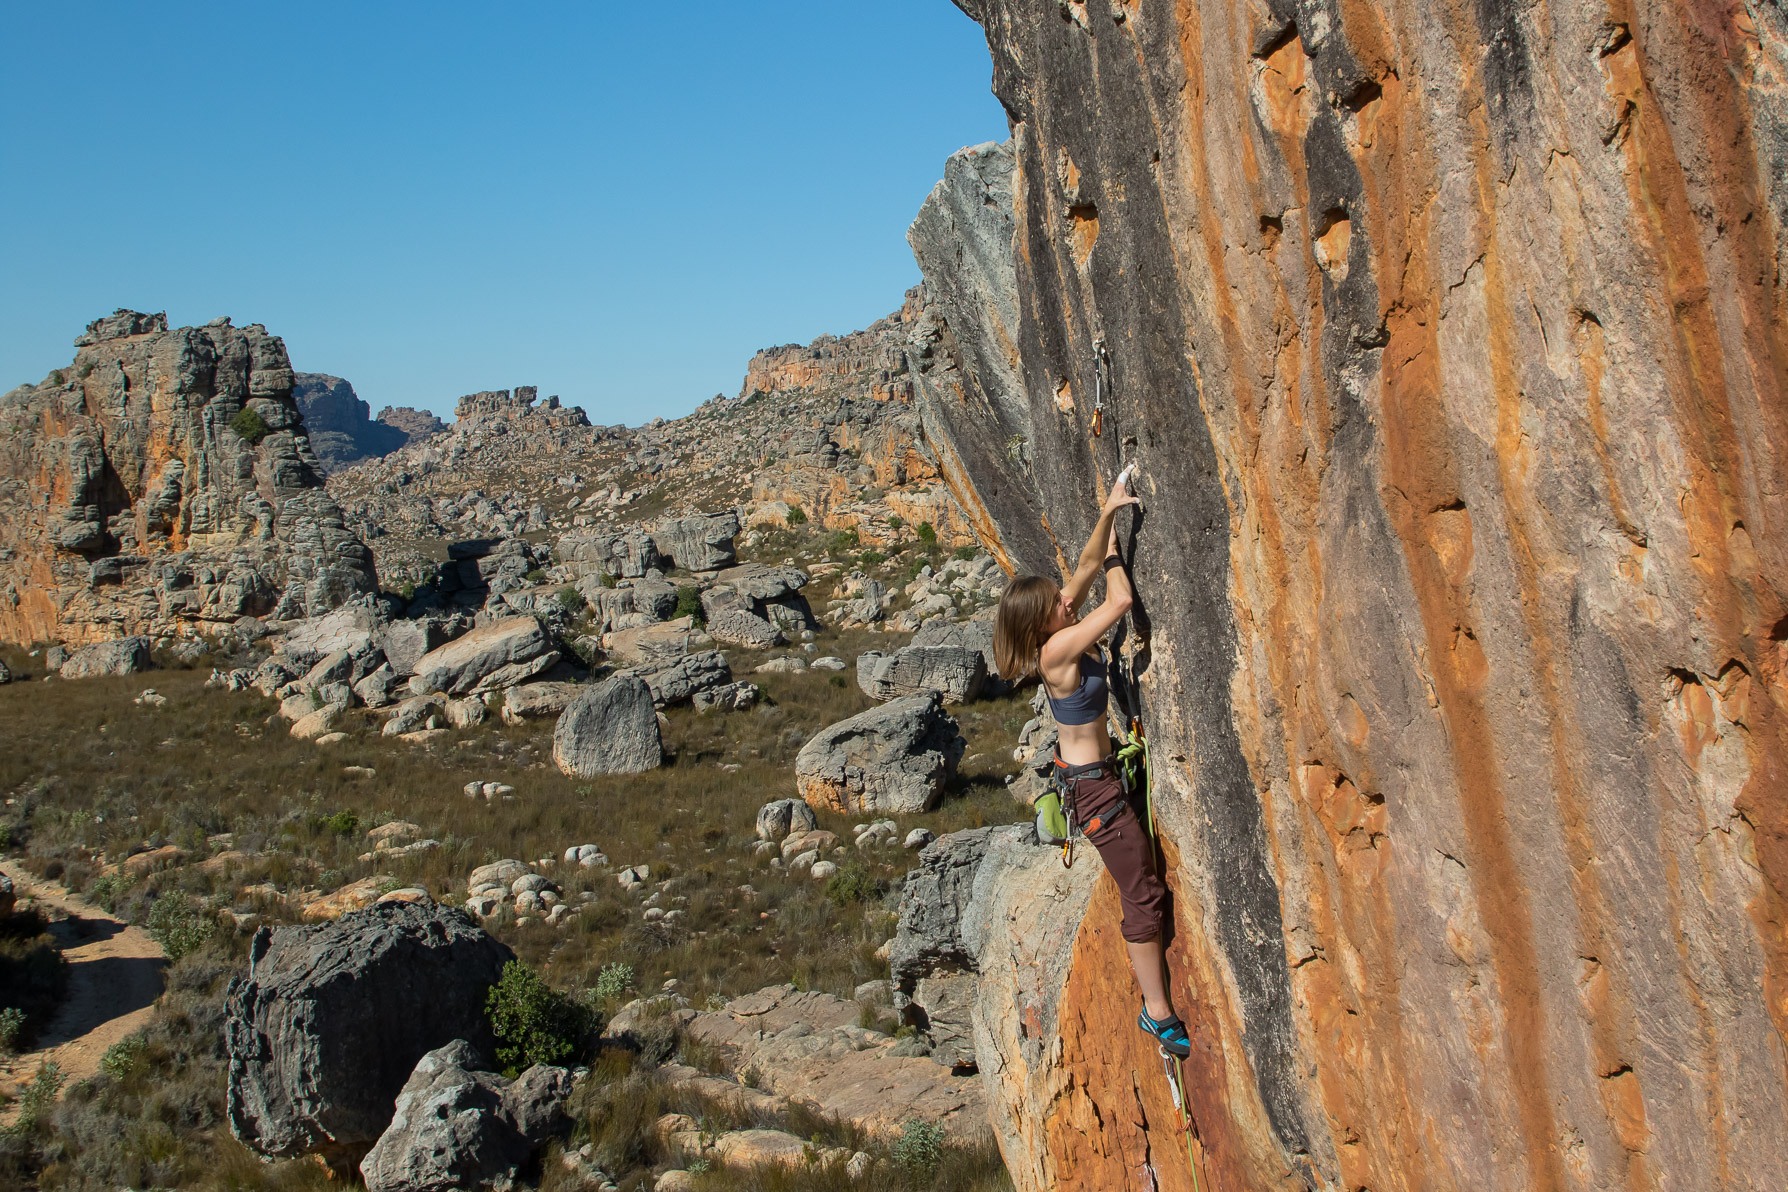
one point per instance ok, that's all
(616, 202)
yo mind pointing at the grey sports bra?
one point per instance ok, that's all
(1087, 702)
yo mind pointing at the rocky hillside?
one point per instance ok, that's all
(828, 429)
(164, 479)
(1451, 354)
(341, 428)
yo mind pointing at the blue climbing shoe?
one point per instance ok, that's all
(1169, 1032)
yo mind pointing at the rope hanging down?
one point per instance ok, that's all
(1133, 765)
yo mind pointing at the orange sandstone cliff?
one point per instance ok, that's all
(1449, 341)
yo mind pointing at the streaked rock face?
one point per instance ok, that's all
(129, 502)
(1449, 341)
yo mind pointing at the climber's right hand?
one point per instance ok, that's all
(1120, 497)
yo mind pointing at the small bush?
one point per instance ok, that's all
(689, 604)
(249, 425)
(613, 981)
(965, 553)
(55, 378)
(342, 823)
(123, 1058)
(179, 926)
(12, 1026)
(796, 517)
(571, 600)
(106, 890)
(927, 533)
(536, 576)
(37, 1097)
(895, 521)
(606, 580)
(846, 540)
(870, 558)
(920, 1147)
(853, 883)
(534, 1023)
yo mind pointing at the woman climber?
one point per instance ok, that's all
(1039, 632)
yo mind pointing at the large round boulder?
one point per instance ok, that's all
(610, 729)
(957, 672)
(893, 759)
(330, 1021)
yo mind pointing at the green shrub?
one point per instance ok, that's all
(965, 553)
(870, 558)
(55, 378)
(846, 540)
(606, 580)
(796, 517)
(927, 533)
(12, 1026)
(534, 1023)
(179, 926)
(689, 604)
(342, 823)
(123, 1058)
(613, 981)
(895, 521)
(853, 883)
(920, 1147)
(105, 890)
(536, 576)
(571, 600)
(249, 425)
(37, 1097)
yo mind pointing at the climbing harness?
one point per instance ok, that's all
(1101, 364)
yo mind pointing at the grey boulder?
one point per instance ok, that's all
(700, 543)
(456, 1126)
(687, 677)
(330, 1021)
(782, 817)
(126, 656)
(739, 627)
(610, 729)
(893, 759)
(957, 672)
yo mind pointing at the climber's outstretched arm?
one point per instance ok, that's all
(1102, 542)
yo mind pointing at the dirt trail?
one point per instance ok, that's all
(114, 977)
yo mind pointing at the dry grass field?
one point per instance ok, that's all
(88, 777)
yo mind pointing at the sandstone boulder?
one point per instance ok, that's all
(534, 701)
(688, 676)
(326, 1027)
(729, 697)
(957, 673)
(738, 627)
(126, 656)
(501, 654)
(893, 759)
(700, 543)
(457, 1126)
(610, 729)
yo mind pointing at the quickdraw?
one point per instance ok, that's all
(1101, 363)
(1176, 1085)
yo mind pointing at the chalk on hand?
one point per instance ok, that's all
(1124, 476)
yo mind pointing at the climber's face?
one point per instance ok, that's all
(1062, 616)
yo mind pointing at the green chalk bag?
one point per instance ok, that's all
(1052, 825)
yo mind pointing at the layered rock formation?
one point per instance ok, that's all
(164, 478)
(340, 425)
(1449, 342)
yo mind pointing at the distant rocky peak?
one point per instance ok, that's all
(120, 324)
(516, 404)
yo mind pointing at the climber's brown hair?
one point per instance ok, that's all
(1018, 634)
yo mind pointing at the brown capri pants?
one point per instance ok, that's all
(1105, 815)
